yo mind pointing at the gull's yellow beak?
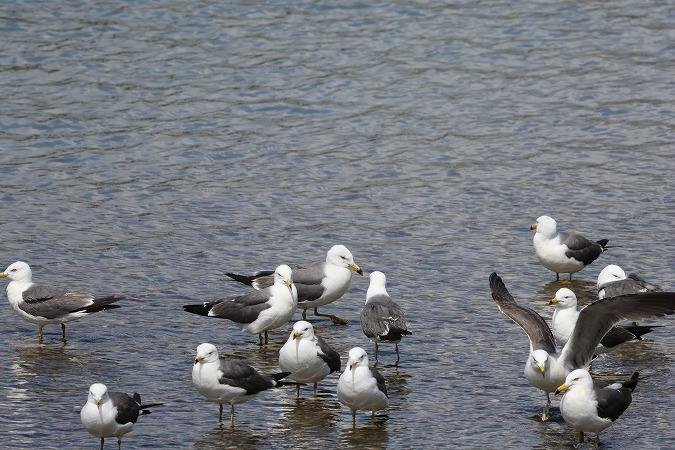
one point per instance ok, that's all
(562, 389)
(542, 368)
(355, 267)
(199, 359)
(351, 366)
(3, 275)
(296, 334)
(533, 227)
(553, 301)
(288, 282)
(98, 402)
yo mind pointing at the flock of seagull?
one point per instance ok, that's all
(558, 361)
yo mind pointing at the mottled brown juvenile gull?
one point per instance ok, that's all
(42, 304)
(382, 320)
(112, 414)
(563, 252)
(258, 311)
(318, 284)
(590, 408)
(612, 282)
(546, 367)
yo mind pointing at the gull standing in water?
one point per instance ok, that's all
(546, 367)
(318, 284)
(612, 282)
(589, 408)
(360, 386)
(382, 320)
(258, 311)
(230, 381)
(307, 357)
(112, 414)
(42, 305)
(565, 318)
(563, 252)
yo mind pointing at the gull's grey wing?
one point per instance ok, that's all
(239, 374)
(532, 323)
(243, 308)
(330, 356)
(52, 303)
(612, 402)
(381, 383)
(596, 319)
(307, 280)
(580, 248)
(631, 285)
(615, 336)
(127, 407)
(383, 318)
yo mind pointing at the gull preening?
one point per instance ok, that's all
(258, 311)
(318, 284)
(382, 320)
(112, 414)
(307, 357)
(360, 386)
(589, 408)
(43, 305)
(229, 381)
(565, 317)
(612, 282)
(546, 367)
(563, 252)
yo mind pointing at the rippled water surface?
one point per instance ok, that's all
(148, 147)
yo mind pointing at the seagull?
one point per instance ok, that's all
(381, 318)
(612, 281)
(230, 381)
(257, 311)
(361, 387)
(43, 305)
(588, 408)
(565, 318)
(318, 284)
(546, 367)
(108, 414)
(307, 357)
(562, 252)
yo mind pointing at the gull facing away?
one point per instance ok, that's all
(230, 381)
(565, 318)
(612, 282)
(318, 284)
(546, 367)
(257, 311)
(563, 252)
(307, 357)
(589, 408)
(382, 320)
(43, 305)
(112, 414)
(361, 387)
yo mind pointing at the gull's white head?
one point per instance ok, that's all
(340, 256)
(545, 226)
(302, 330)
(98, 394)
(18, 271)
(576, 378)
(610, 274)
(283, 275)
(206, 353)
(564, 298)
(357, 358)
(378, 285)
(539, 358)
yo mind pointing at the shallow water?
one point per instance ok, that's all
(149, 147)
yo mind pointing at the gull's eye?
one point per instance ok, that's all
(13, 270)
